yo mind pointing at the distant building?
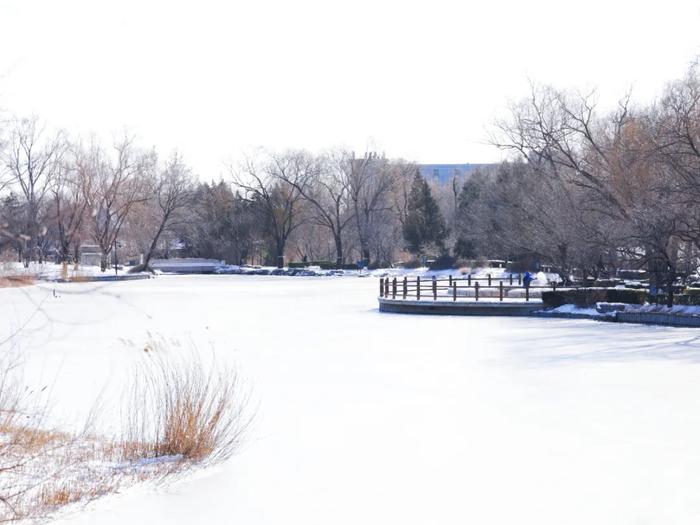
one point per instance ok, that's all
(444, 173)
(90, 255)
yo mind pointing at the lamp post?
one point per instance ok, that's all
(116, 270)
(117, 244)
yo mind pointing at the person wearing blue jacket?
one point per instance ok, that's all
(527, 279)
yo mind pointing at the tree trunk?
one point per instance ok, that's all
(147, 258)
(364, 248)
(365, 254)
(279, 253)
(671, 281)
(339, 260)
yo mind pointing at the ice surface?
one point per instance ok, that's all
(371, 418)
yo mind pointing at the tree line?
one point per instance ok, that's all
(594, 191)
(584, 191)
(58, 195)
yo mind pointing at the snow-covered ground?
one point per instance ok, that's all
(660, 308)
(372, 418)
(51, 271)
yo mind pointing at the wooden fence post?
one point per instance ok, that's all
(520, 279)
(476, 290)
(450, 279)
(500, 291)
(511, 278)
(405, 286)
(469, 279)
(554, 286)
(381, 287)
(454, 291)
(489, 276)
(386, 287)
(434, 288)
(418, 287)
(393, 288)
(527, 293)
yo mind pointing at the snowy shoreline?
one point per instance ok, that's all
(649, 314)
(677, 315)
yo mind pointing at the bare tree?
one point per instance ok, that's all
(676, 132)
(561, 135)
(31, 161)
(68, 210)
(112, 187)
(621, 169)
(171, 193)
(326, 188)
(279, 202)
(369, 181)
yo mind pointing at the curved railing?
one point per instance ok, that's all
(458, 288)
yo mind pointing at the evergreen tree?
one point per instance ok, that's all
(467, 204)
(222, 225)
(424, 227)
(12, 224)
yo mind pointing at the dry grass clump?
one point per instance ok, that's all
(15, 281)
(178, 414)
(13, 276)
(52, 496)
(184, 409)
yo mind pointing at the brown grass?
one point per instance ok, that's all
(179, 414)
(33, 440)
(54, 496)
(185, 410)
(15, 281)
(57, 496)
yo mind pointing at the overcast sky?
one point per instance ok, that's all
(423, 80)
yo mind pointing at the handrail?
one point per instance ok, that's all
(413, 288)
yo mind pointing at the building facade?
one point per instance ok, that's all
(444, 173)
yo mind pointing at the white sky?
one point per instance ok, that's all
(423, 80)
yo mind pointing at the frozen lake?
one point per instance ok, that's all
(377, 418)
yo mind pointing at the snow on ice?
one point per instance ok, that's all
(363, 417)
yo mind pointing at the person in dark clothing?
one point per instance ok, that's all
(527, 279)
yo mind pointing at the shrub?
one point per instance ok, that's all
(465, 248)
(186, 410)
(444, 262)
(411, 264)
(588, 297)
(621, 295)
(582, 297)
(686, 299)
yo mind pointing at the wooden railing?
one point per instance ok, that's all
(430, 288)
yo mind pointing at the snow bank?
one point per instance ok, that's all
(49, 271)
(693, 310)
(575, 310)
(53, 272)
